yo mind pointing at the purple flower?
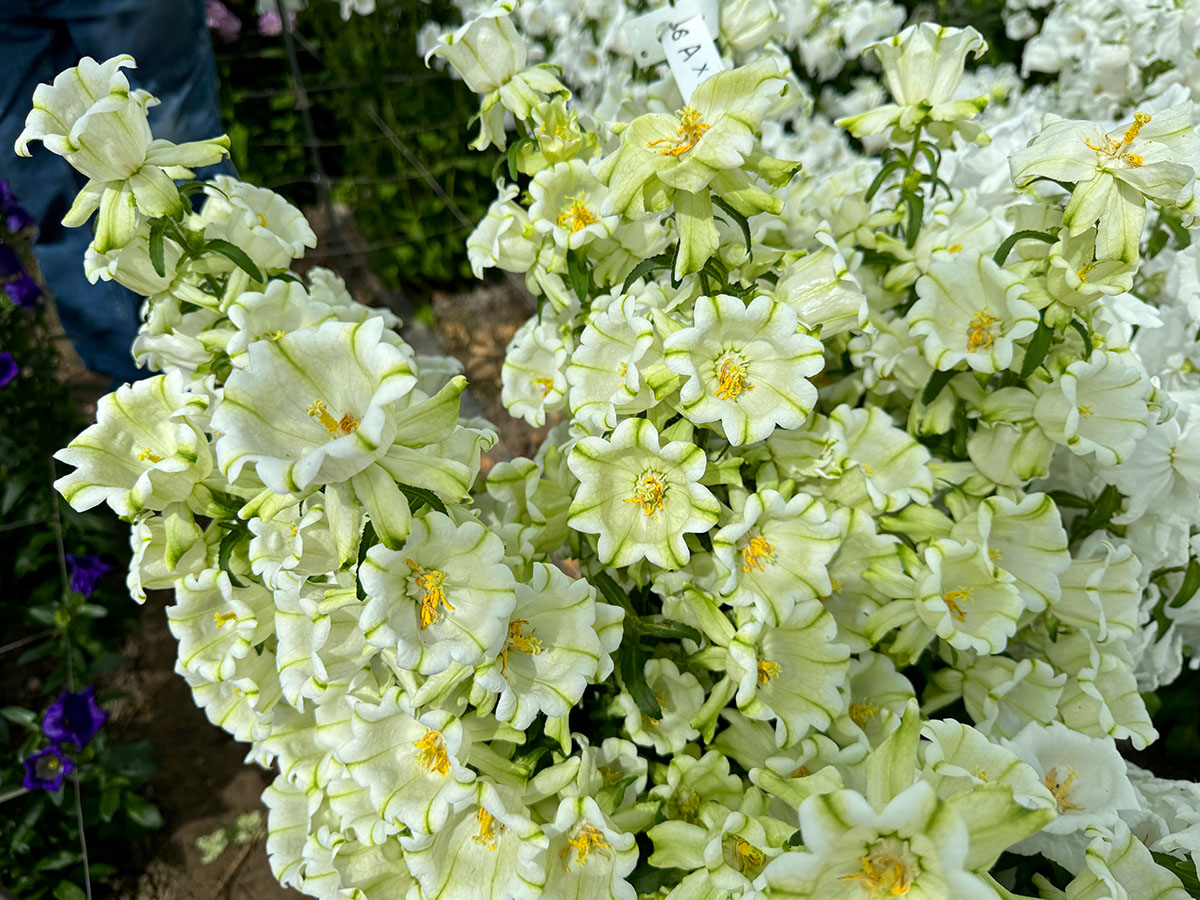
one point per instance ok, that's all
(218, 17)
(74, 718)
(8, 368)
(10, 263)
(270, 24)
(85, 572)
(23, 292)
(15, 216)
(47, 768)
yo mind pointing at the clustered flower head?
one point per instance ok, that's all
(831, 577)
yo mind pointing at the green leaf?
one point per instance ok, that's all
(1039, 346)
(110, 802)
(633, 674)
(418, 497)
(1085, 334)
(659, 627)
(579, 275)
(1191, 583)
(612, 592)
(26, 718)
(1072, 501)
(157, 229)
(142, 812)
(366, 542)
(236, 255)
(877, 183)
(1005, 248)
(934, 385)
(742, 221)
(664, 260)
(225, 550)
(915, 203)
(65, 890)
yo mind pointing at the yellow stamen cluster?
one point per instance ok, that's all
(882, 875)
(800, 772)
(433, 752)
(731, 380)
(586, 839)
(1060, 789)
(1116, 149)
(346, 425)
(546, 384)
(222, 618)
(262, 220)
(147, 456)
(954, 600)
(691, 129)
(577, 216)
(979, 332)
(860, 712)
(1083, 272)
(649, 493)
(276, 335)
(488, 826)
(522, 643)
(767, 669)
(1084, 410)
(757, 553)
(432, 583)
(748, 856)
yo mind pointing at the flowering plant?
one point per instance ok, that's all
(831, 578)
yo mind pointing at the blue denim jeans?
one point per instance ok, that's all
(40, 38)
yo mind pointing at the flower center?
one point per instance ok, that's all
(746, 856)
(522, 643)
(979, 332)
(222, 618)
(860, 712)
(276, 335)
(433, 752)
(757, 553)
(954, 600)
(431, 582)
(882, 875)
(1084, 410)
(487, 828)
(768, 670)
(800, 772)
(1083, 272)
(731, 379)
(346, 425)
(1116, 150)
(546, 385)
(610, 774)
(586, 839)
(577, 216)
(262, 220)
(147, 456)
(691, 129)
(1060, 789)
(650, 494)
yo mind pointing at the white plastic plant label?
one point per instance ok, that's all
(644, 32)
(691, 54)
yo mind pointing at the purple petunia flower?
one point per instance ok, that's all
(23, 292)
(74, 718)
(8, 368)
(86, 571)
(47, 769)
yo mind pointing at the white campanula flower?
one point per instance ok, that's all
(923, 66)
(295, 540)
(588, 858)
(444, 597)
(313, 406)
(216, 623)
(532, 379)
(90, 117)
(1119, 864)
(1097, 405)
(1115, 172)
(281, 307)
(1162, 474)
(167, 548)
(746, 367)
(551, 651)
(679, 696)
(485, 850)
(1077, 279)
(726, 849)
(1002, 695)
(887, 468)
(776, 554)
(878, 696)
(567, 199)
(971, 310)
(791, 672)
(504, 237)
(689, 782)
(966, 599)
(320, 643)
(604, 371)
(270, 230)
(144, 451)
(959, 758)
(915, 845)
(1100, 591)
(411, 765)
(557, 137)
(640, 498)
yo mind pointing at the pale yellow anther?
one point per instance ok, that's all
(432, 584)
(1084, 270)
(731, 380)
(860, 712)
(767, 670)
(147, 456)
(955, 599)
(577, 216)
(1084, 410)
(882, 875)
(691, 129)
(979, 332)
(488, 826)
(749, 857)
(650, 494)
(1115, 149)
(757, 554)
(262, 220)
(546, 385)
(522, 643)
(1060, 789)
(346, 425)
(587, 838)
(276, 335)
(433, 752)
(222, 618)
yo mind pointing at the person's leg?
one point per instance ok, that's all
(101, 319)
